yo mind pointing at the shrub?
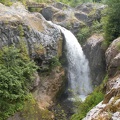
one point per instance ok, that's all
(92, 100)
(54, 62)
(112, 21)
(16, 75)
(118, 45)
(31, 111)
(6, 2)
(86, 31)
(21, 31)
(59, 113)
(83, 34)
(88, 104)
(97, 27)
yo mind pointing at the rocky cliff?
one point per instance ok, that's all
(43, 43)
(109, 108)
(18, 25)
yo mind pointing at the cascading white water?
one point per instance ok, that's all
(78, 67)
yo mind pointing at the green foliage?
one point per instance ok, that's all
(59, 113)
(105, 45)
(73, 3)
(54, 62)
(118, 45)
(83, 34)
(88, 104)
(16, 75)
(21, 31)
(112, 21)
(102, 85)
(31, 111)
(6, 2)
(42, 1)
(97, 27)
(96, 0)
(34, 9)
(86, 31)
(93, 99)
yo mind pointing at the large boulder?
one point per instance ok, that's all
(48, 12)
(96, 57)
(81, 16)
(113, 57)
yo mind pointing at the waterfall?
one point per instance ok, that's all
(78, 66)
(78, 71)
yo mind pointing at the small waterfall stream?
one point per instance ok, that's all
(78, 67)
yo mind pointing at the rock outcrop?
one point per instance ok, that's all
(42, 41)
(113, 57)
(109, 108)
(50, 84)
(18, 26)
(73, 18)
(96, 56)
